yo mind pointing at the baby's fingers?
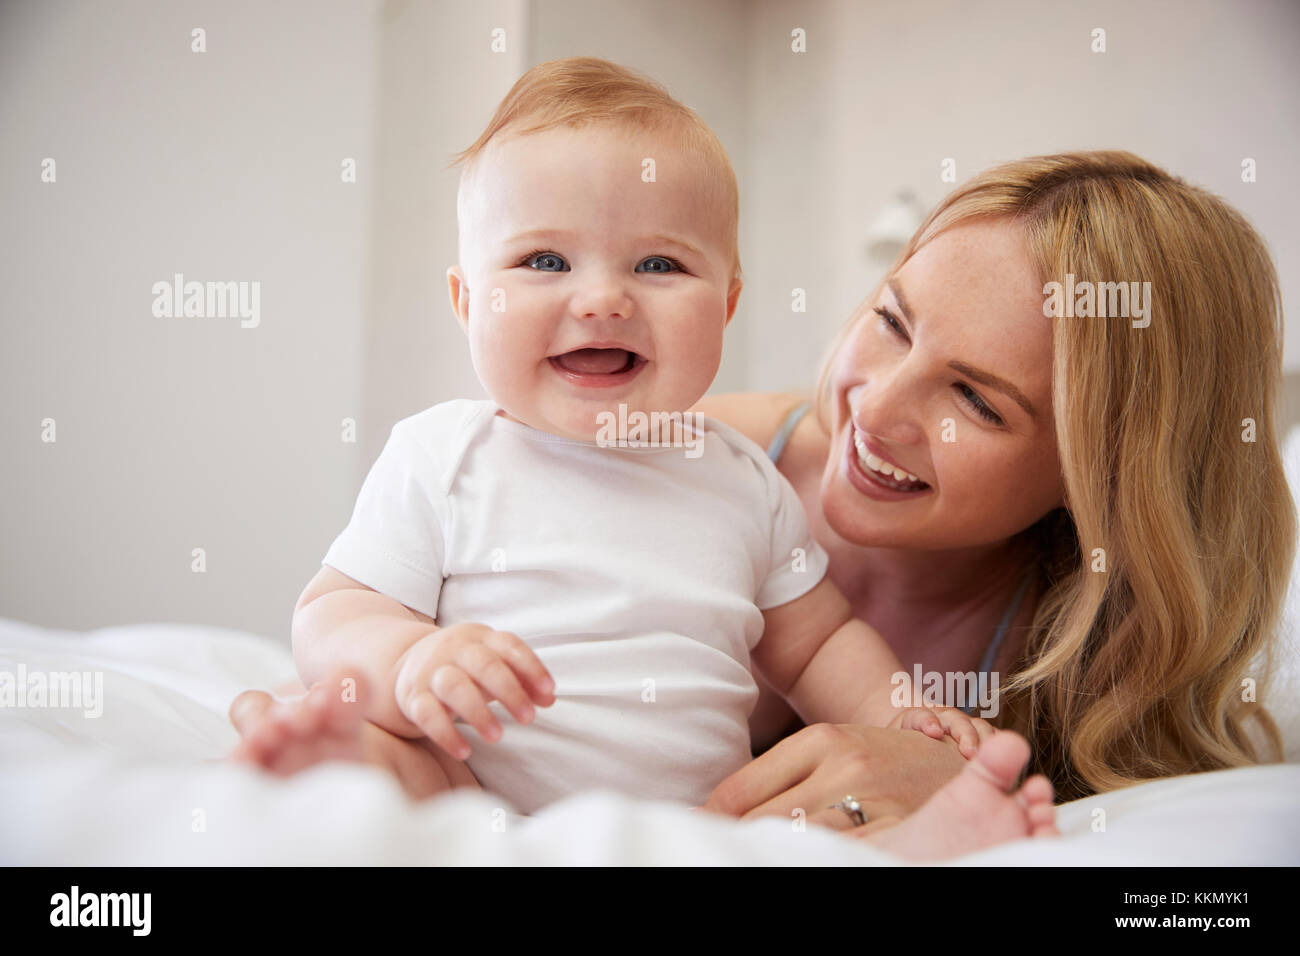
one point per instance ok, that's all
(424, 710)
(983, 728)
(962, 729)
(495, 676)
(462, 695)
(922, 719)
(526, 665)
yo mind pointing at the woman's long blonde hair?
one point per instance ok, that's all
(1174, 482)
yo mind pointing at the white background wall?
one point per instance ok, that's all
(175, 434)
(182, 433)
(890, 88)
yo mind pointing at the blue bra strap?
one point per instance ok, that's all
(991, 654)
(787, 427)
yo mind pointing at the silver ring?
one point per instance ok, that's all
(851, 806)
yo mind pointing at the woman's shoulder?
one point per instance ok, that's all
(756, 415)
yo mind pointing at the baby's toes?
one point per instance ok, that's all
(1040, 812)
(249, 709)
(1001, 759)
(308, 717)
(1042, 821)
(270, 735)
(257, 747)
(246, 752)
(342, 719)
(1037, 790)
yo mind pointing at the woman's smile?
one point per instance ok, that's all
(865, 470)
(877, 462)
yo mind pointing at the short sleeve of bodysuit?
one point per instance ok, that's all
(394, 540)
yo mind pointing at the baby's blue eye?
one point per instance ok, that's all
(656, 264)
(546, 262)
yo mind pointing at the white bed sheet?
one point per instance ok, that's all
(128, 787)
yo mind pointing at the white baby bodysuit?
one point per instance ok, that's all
(636, 575)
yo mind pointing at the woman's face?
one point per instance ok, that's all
(943, 435)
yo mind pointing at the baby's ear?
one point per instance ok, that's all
(458, 290)
(733, 296)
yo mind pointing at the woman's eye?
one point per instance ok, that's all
(974, 401)
(888, 318)
(546, 262)
(657, 264)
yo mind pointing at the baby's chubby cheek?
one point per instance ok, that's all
(501, 343)
(684, 370)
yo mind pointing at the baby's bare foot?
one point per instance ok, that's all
(976, 809)
(286, 737)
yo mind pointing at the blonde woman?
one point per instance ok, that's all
(1099, 513)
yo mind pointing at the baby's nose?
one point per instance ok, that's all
(603, 301)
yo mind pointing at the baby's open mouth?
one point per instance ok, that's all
(597, 361)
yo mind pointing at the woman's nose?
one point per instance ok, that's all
(889, 408)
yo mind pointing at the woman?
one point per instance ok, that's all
(1104, 520)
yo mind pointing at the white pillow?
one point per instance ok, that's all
(1284, 692)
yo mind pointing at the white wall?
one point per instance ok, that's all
(890, 88)
(175, 434)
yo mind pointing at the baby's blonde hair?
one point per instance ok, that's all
(582, 91)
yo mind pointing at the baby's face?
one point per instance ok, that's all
(582, 287)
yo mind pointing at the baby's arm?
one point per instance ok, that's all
(340, 621)
(836, 669)
(401, 652)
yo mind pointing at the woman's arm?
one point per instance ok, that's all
(831, 667)
(756, 415)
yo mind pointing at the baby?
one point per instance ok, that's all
(579, 542)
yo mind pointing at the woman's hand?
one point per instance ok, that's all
(890, 772)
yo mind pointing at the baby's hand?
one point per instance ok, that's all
(969, 732)
(456, 670)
